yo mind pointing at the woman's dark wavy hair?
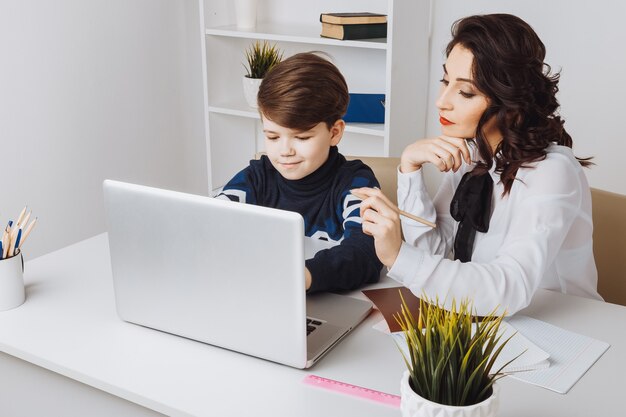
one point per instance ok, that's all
(508, 68)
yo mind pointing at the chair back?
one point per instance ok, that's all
(609, 244)
(386, 172)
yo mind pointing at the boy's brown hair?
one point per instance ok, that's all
(302, 91)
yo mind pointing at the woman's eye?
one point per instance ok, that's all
(272, 137)
(466, 95)
(444, 81)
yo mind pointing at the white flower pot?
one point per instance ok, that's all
(412, 405)
(251, 89)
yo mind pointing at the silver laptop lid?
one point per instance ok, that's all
(178, 266)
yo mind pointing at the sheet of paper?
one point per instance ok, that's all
(525, 354)
(571, 354)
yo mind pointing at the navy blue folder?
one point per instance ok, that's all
(366, 108)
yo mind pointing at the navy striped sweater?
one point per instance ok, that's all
(330, 213)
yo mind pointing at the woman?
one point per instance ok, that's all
(514, 206)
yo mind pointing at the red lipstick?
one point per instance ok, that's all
(445, 121)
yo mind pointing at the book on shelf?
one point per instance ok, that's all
(357, 18)
(352, 32)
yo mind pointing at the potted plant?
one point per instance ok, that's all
(449, 361)
(260, 57)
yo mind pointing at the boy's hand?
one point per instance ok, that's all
(307, 279)
(381, 220)
(445, 152)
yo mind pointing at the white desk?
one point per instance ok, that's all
(68, 325)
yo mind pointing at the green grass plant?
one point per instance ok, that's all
(261, 57)
(449, 362)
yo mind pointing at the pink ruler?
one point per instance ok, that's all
(354, 390)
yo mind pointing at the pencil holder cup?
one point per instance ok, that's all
(12, 282)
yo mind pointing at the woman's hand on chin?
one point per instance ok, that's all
(445, 152)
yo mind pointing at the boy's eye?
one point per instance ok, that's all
(271, 137)
(466, 95)
(303, 137)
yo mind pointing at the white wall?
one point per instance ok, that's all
(584, 39)
(95, 89)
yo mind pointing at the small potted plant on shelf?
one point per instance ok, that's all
(260, 57)
(449, 361)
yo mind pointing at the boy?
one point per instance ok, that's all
(301, 102)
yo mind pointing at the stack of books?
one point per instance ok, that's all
(362, 25)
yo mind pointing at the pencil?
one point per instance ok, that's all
(11, 251)
(400, 212)
(21, 216)
(5, 245)
(27, 232)
(25, 221)
(17, 242)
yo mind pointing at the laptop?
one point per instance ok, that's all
(220, 272)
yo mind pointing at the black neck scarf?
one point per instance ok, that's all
(471, 207)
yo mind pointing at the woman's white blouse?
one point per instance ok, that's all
(539, 237)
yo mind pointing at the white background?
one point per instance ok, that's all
(94, 89)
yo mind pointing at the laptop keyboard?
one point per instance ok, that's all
(312, 324)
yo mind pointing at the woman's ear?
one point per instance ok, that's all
(336, 132)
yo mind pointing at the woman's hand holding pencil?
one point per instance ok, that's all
(15, 234)
(381, 219)
(396, 209)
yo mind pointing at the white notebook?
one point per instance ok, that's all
(571, 354)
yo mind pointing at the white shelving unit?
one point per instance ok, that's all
(396, 66)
